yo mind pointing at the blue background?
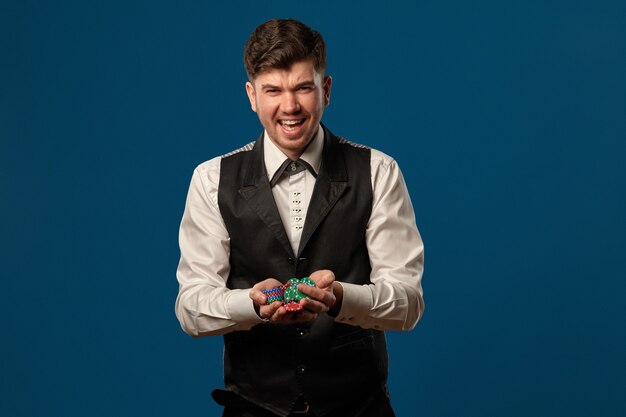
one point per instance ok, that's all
(508, 119)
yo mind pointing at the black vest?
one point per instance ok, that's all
(272, 365)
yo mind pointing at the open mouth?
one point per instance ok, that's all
(291, 125)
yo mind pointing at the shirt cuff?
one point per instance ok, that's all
(240, 307)
(356, 303)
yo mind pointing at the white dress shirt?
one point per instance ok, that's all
(393, 300)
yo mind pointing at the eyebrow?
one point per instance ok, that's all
(302, 84)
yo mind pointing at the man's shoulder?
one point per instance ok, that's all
(246, 148)
(381, 159)
(215, 162)
(377, 157)
(343, 141)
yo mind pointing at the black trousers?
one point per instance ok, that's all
(373, 406)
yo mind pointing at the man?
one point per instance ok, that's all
(299, 202)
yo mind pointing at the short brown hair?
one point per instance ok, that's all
(278, 43)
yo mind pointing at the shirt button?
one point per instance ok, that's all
(301, 332)
(301, 369)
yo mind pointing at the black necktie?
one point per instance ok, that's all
(290, 167)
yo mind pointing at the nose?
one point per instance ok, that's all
(290, 103)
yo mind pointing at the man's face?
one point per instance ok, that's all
(290, 103)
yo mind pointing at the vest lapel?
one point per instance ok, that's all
(257, 192)
(331, 183)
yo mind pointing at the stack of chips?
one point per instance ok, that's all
(291, 289)
(289, 293)
(274, 294)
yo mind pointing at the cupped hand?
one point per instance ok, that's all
(322, 295)
(276, 312)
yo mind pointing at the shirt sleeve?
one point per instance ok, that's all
(394, 299)
(205, 306)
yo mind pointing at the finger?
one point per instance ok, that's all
(269, 311)
(314, 306)
(283, 316)
(323, 278)
(325, 296)
(258, 297)
(314, 292)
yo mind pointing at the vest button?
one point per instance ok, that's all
(301, 369)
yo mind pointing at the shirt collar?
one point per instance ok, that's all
(274, 157)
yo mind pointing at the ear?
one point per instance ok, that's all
(251, 95)
(328, 82)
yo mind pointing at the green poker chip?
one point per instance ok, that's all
(292, 294)
(308, 281)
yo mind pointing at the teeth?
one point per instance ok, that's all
(290, 122)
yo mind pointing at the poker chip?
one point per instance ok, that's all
(273, 298)
(274, 294)
(289, 294)
(308, 281)
(291, 289)
(293, 307)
